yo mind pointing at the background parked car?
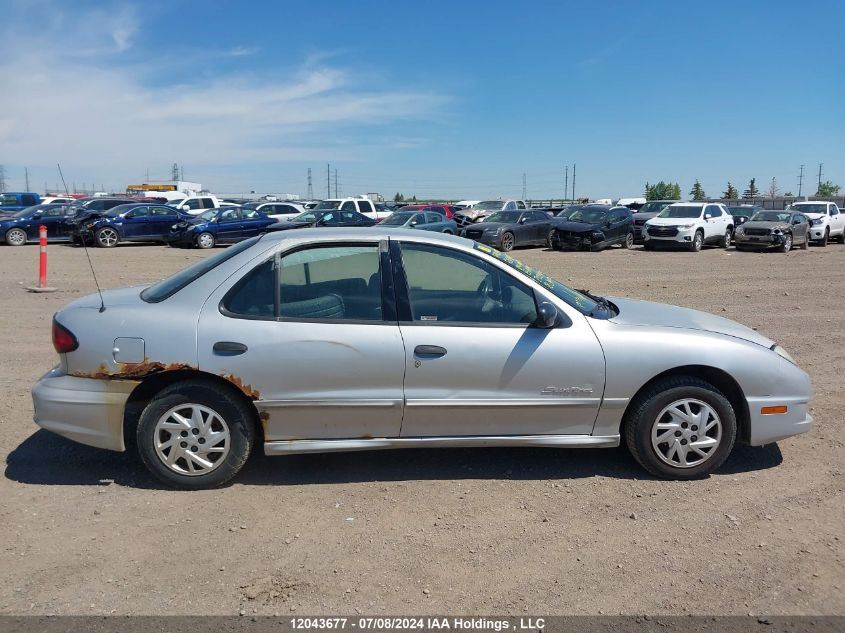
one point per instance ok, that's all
(14, 201)
(773, 229)
(689, 224)
(99, 204)
(218, 226)
(742, 212)
(593, 228)
(276, 210)
(364, 206)
(645, 213)
(139, 222)
(425, 220)
(507, 229)
(482, 209)
(442, 209)
(318, 218)
(23, 226)
(826, 220)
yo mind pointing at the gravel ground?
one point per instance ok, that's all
(450, 531)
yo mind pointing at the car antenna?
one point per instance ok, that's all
(85, 246)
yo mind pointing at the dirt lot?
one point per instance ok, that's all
(452, 531)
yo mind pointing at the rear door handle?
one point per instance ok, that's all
(229, 348)
(429, 350)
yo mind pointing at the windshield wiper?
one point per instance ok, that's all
(601, 301)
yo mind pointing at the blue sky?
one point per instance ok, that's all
(436, 99)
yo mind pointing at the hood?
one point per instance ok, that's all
(491, 225)
(634, 312)
(577, 227)
(671, 221)
(813, 216)
(758, 224)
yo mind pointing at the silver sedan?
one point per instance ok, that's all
(338, 340)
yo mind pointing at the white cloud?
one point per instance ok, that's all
(75, 100)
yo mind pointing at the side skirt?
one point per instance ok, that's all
(286, 447)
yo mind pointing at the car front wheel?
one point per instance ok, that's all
(507, 241)
(195, 435)
(787, 244)
(697, 241)
(15, 237)
(107, 237)
(823, 241)
(628, 242)
(681, 428)
(205, 240)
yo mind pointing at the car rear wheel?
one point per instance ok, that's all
(681, 428)
(205, 240)
(194, 435)
(697, 241)
(507, 241)
(628, 242)
(15, 237)
(107, 237)
(787, 244)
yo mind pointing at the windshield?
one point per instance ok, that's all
(173, 284)
(681, 211)
(25, 213)
(771, 216)
(574, 298)
(489, 205)
(740, 210)
(307, 216)
(208, 215)
(655, 206)
(504, 216)
(398, 219)
(251, 205)
(808, 208)
(328, 204)
(591, 216)
(177, 203)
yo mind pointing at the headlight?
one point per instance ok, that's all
(777, 349)
(817, 221)
(739, 231)
(685, 226)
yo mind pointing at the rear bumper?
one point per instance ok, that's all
(766, 429)
(84, 410)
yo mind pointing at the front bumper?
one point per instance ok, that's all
(574, 240)
(758, 241)
(817, 232)
(766, 429)
(85, 410)
(681, 236)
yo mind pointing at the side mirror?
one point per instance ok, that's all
(522, 220)
(547, 316)
(414, 223)
(36, 215)
(185, 207)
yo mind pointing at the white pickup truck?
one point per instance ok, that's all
(362, 205)
(826, 220)
(195, 204)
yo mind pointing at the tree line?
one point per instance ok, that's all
(672, 191)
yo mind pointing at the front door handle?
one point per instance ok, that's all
(229, 348)
(429, 350)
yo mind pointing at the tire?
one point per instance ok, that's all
(697, 241)
(806, 243)
(106, 237)
(842, 237)
(628, 242)
(652, 408)
(506, 242)
(15, 237)
(229, 430)
(549, 241)
(787, 243)
(726, 238)
(205, 240)
(823, 241)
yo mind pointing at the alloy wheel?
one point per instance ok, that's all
(191, 439)
(686, 433)
(16, 237)
(107, 237)
(507, 242)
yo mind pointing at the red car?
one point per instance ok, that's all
(442, 209)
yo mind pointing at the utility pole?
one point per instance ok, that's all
(182, 172)
(524, 189)
(335, 182)
(147, 175)
(573, 182)
(566, 184)
(26, 175)
(800, 180)
(174, 172)
(328, 180)
(310, 186)
(2, 178)
(820, 176)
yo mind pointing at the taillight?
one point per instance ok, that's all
(63, 339)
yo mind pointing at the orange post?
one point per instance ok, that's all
(42, 264)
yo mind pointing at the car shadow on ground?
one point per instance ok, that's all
(47, 459)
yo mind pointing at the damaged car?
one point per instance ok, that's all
(593, 228)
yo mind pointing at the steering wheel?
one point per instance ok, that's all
(485, 289)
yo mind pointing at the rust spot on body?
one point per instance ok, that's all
(247, 390)
(130, 371)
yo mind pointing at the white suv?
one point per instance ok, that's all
(690, 224)
(826, 220)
